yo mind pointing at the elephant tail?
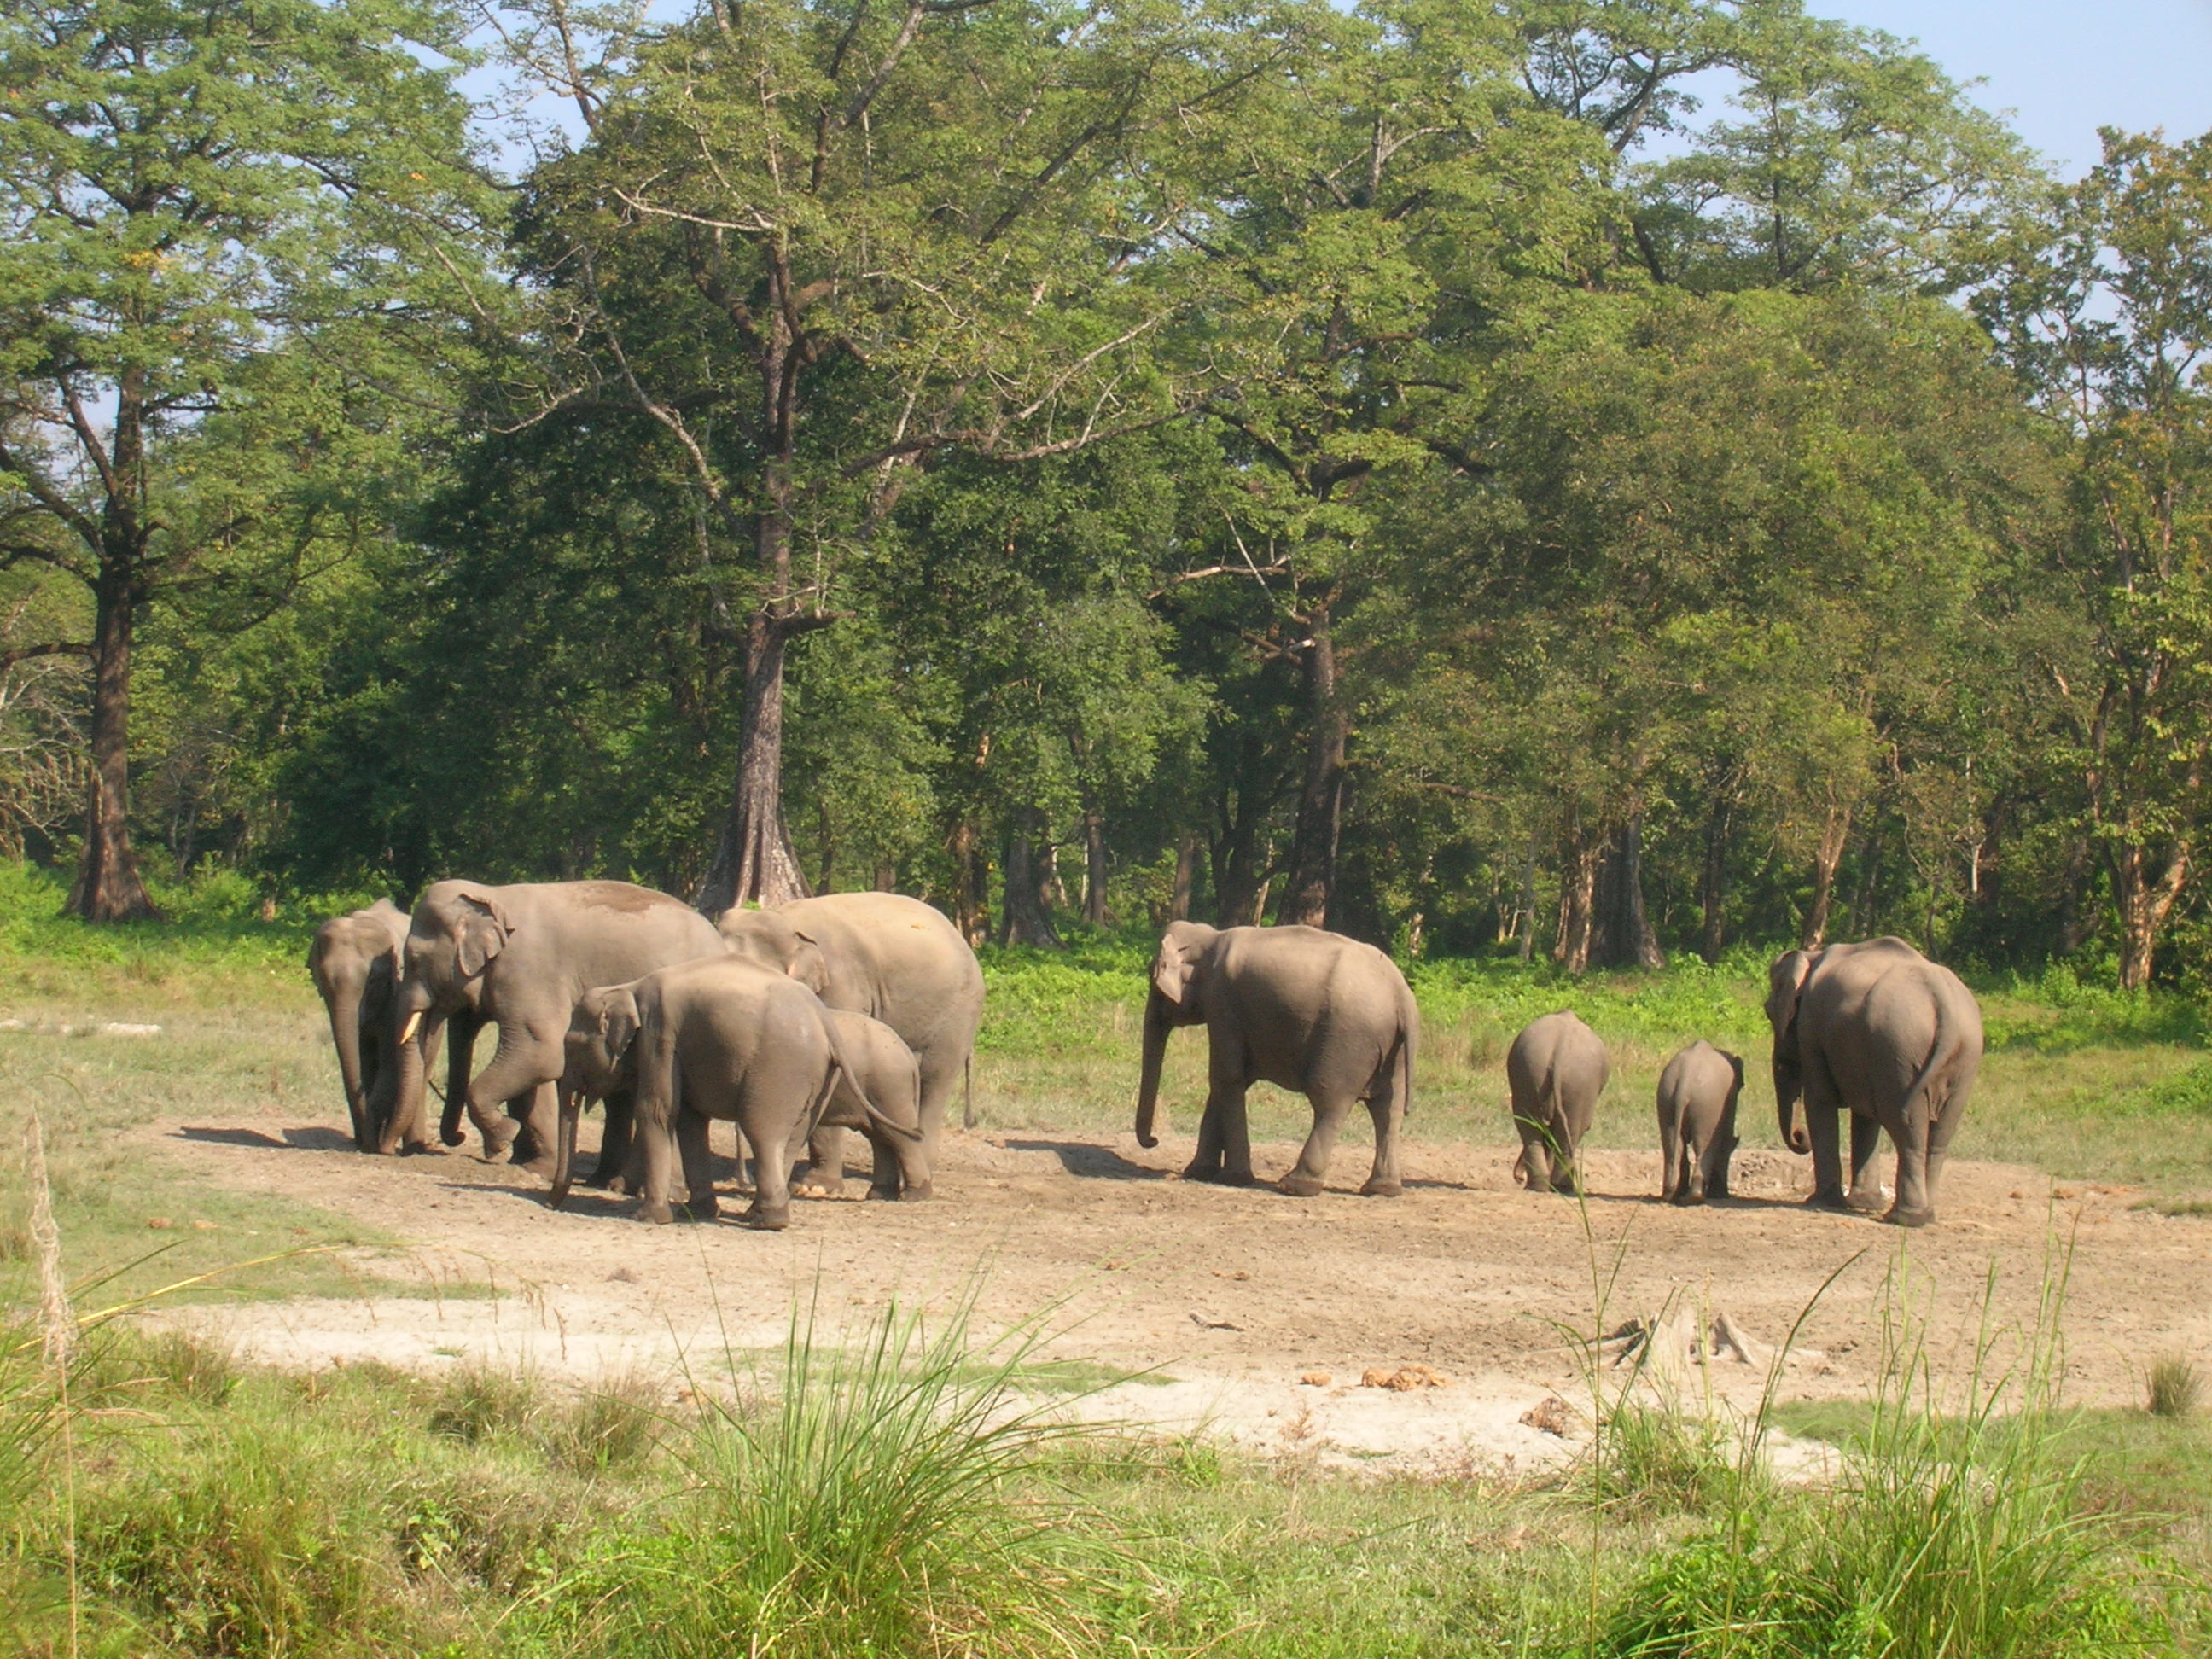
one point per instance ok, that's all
(968, 1089)
(842, 1062)
(1942, 1054)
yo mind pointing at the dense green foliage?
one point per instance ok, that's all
(1416, 468)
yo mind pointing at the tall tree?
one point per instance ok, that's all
(766, 258)
(2106, 312)
(196, 200)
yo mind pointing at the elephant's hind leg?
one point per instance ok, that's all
(1307, 1176)
(1865, 1194)
(824, 1174)
(1384, 1180)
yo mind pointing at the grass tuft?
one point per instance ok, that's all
(2174, 1386)
(477, 1402)
(615, 1425)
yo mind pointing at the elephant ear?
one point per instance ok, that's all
(1172, 968)
(618, 1024)
(807, 964)
(482, 932)
(1785, 986)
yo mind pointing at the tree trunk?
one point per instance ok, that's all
(754, 863)
(1185, 877)
(825, 846)
(1094, 868)
(1833, 835)
(1570, 945)
(1621, 931)
(1239, 871)
(1527, 920)
(108, 885)
(1312, 875)
(2074, 921)
(2145, 901)
(971, 883)
(886, 876)
(1026, 920)
(1712, 883)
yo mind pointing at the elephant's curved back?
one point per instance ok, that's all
(604, 933)
(897, 960)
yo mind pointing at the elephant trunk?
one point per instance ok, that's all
(1788, 1086)
(345, 1033)
(411, 1044)
(564, 1147)
(460, 1049)
(1158, 1025)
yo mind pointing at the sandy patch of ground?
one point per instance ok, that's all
(1228, 1297)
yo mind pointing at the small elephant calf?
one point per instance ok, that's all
(1556, 1069)
(877, 1066)
(1697, 1122)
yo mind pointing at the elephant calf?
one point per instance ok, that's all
(880, 1079)
(720, 1037)
(1697, 1122)
(1556, 1069)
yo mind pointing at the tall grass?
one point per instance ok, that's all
(1959, 1526)
(886, 1501)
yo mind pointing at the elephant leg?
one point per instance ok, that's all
(1939, 1142)
(698, 1169)
(1388, 1109)
(535, 1143)
(1827, 1158)
(1307, 1174)
(613, 1172)
(1670, 1161)
(1566, 1171)
(1866, 1141)
(1536, 1154)
(520, 1067)
(1690, 1172)
(1222, 1131)
(656, 1142)
(824, 1175)
(882, 1165)
(770, 1210)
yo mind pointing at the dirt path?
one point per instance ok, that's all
(1234, 1295)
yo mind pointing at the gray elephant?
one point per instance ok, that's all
(1556, 1070)
(722, 1037)
(881, 1080)
(355, 961)
(1878, 1029)
(518, 957)
(890, 958)
(1697, 1122)
(1297, 1007)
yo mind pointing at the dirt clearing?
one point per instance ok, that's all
(1409, 1334)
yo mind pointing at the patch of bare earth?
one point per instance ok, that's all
(1288, 1326)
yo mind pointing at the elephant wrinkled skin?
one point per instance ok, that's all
(890, 958)
(1556, 1070)
(1878, 1029)
(1697, 1122)
(1304, 1010)
(518, 957)
(355, 961)
(720, 1038)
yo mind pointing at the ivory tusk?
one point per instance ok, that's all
(414, 1023)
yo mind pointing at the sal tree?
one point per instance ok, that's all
(214, 217)
(813, 246)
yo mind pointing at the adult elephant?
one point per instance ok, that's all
(892, 958)
(518, 957)
(1879, 1028)
(1297, 1007)
(355, 961)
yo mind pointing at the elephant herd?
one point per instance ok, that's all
(860, 1011)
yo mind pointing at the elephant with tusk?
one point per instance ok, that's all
(355, 962)
(517, 958)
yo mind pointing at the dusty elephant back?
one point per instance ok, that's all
(1554, 1052)
(897, 960)
(601, 933)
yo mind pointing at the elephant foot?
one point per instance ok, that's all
(921, 1194)
(1868, 1201)
(705, 1209)
(499, 1142)
(1378, 1188)
(542, 1166)
(818, 1184)
(457, 1139)
(618, 1183)
(1685, 1198)
(887, 1194)
(1833, 1201)
(1207, 1172)
(655, 1211)
(418, 1148)
(767, 1221)
(1299, 1186)
(1901, 1217)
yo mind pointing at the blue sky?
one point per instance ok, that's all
(2064, 68)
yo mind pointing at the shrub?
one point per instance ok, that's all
(2173, 1386)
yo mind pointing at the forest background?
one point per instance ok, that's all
(1598, 480)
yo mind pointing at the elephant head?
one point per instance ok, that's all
(1785, 988)
(775, 943)
(458, 928)
(355, 963)
(599, 1060)
(1177, 997)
